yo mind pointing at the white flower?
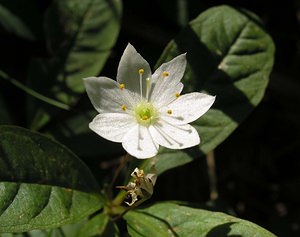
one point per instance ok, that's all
(144, 110)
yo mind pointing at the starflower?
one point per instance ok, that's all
(144, 110)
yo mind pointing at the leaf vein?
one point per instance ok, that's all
(235, 39)
(45, 204)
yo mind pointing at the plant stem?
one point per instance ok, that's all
(34, 93)
(211, 165)
(182, 12)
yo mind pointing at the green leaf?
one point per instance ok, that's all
(42, 184)
(99, 225)
(229, 55)
(13, 24)
(33, 233)
(170, 219)
(69, 230)
(81, 34)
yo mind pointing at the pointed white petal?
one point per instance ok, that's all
(174, 136)
(160, 84)
(168, 96)
(187, 108)
(139, 143)
(128, 70)
(106, 95)
(112, 126)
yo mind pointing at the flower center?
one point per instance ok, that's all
(145, 113)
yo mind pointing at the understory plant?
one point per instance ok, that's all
(151, 119)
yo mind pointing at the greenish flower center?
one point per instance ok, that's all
(145, 113)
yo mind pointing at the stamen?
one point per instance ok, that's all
(169, 111)
(122, 86)
(148, 87)
(165, 74)
(123, 107)
(141, 71)
(177, 95)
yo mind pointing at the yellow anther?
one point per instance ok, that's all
(145, 117)
(141, 71)
(122, 86)
(169, 111)
(177, 95)
(123, 107)
(165, 74)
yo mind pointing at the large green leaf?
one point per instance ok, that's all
(69, 230)
(99, 225)
(229, 55)
(33, 233)
(79, 36)
(170, 219)
(42, 184)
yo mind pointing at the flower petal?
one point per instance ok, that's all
(187, 108)
(139, 143)
(128, 70)
(168, 96)
(160, 83)
(174, 136)
(112, 126)
(106, 95)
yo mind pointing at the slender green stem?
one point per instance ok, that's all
(34, 93)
